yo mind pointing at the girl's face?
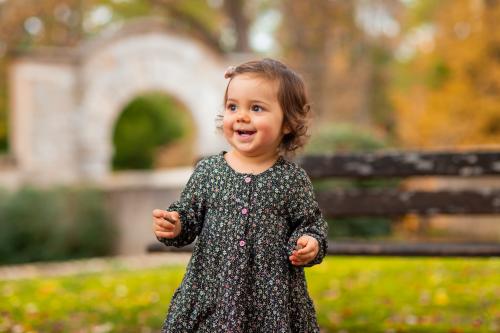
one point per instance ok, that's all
(253, 118)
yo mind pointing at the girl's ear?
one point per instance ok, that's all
(286, 129)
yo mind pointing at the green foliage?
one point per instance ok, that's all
(123, 10)
(62, 223)
(201, 12)
(4, 144)
(420, 12)
(367, 227)
(89, 231)
(332, 138)
(148, 122)
(438, 74)
(350, 294)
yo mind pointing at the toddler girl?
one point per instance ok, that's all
(254, 213)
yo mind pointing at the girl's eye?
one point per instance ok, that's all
(231, 107)
(257, 108)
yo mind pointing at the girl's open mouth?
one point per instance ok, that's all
(245, 134)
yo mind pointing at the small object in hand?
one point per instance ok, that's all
(298, 247)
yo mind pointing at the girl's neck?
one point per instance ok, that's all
(250, 164)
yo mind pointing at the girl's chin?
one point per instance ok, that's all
(243, 147)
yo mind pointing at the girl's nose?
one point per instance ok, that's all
(243, 117)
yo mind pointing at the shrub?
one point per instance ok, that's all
(89, 230)
(56, 224)
(343, 137)
(148, 122)
(4, 145)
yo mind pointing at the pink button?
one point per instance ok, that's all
(248, 179)
(244, 211)
(242, 243)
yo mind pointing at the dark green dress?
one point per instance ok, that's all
(239, 278)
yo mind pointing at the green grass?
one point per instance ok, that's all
(351, 294)
(407, 294)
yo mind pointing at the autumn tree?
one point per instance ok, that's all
(343, 58)
(448, 87)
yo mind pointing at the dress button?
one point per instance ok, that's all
(244, 211)
(242, 243)
(248, 179)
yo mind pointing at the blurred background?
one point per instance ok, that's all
(105, 105)
(120, 97)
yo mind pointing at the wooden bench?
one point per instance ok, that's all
(391, 202)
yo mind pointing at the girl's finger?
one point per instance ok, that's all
(158, 213)
(165, 234)
(164, 226)
(305, 250)
(160, 229)
(311, 254)
(301, 244)
(310, 247)
(297, 263)
(297, 259)
(167, 224)
(305, 244)
(306, 257)
(293, 259)
(303, 260)
(170, 218)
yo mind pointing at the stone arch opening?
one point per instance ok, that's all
(153, 131)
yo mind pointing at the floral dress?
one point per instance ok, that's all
(239, 278)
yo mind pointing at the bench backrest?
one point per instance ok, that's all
(398, 202)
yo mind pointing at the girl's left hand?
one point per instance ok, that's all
(308, 249)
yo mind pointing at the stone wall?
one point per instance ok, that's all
(131, 198)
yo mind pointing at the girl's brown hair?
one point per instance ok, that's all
(292, 98)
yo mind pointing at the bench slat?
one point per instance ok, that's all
(414, 249)
(393, 203)
(383, 249)
(402, 164)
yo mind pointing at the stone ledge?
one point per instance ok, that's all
(170, 178)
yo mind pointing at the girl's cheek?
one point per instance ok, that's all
(226, 122)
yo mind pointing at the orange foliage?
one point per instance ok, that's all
(453, 95)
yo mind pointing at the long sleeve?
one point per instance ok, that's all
(305, 217)
(191, 208)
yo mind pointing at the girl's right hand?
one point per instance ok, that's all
(166, 224)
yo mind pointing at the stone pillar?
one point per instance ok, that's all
(42, 132)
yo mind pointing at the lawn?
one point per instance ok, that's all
(351, 294)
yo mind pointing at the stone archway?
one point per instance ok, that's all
(65, 102)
